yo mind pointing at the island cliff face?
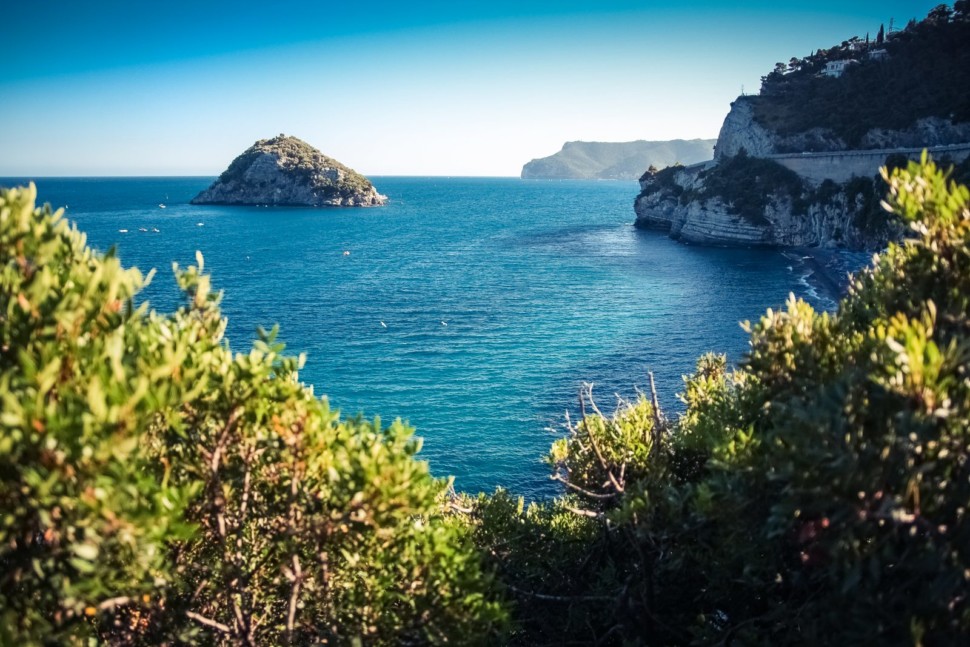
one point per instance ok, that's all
(798, 165)
(286, 171)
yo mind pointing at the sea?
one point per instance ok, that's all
(473, 308)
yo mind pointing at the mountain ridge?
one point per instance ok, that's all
(578, 160)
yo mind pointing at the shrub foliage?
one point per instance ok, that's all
(817, 494)
(156, 487)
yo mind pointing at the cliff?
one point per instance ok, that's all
(743, 129)
(286, 171)
(798, 164)
(616, 160)
(757, 202)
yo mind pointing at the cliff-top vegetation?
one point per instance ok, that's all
(932, 55)
(158, 488)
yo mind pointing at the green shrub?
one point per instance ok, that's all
(85, 523)
(158, 488)
(816, 495)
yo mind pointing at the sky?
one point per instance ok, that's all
(109, 87)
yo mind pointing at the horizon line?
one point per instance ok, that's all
(395, 175)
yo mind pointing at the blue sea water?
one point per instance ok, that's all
(474, 308)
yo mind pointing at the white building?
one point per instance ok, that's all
(836, 68)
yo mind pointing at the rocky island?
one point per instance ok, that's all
(286, 171)
(797, 165)
(615, 160)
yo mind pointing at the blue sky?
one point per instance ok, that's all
(389, 88)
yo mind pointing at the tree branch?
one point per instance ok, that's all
(294, 598)
(584, 513)
(558, 477)
(111, 603)
(208, 623)
(592, 439)
(658, 421)
(562, 598)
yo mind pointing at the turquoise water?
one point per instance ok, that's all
(498, 297)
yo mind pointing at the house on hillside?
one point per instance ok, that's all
(878, 54)
(836, 68)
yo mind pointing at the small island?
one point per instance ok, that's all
(286, 171)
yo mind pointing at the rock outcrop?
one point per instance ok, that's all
(798, 215)
(286, 171)
(615, 160)
(741, 130)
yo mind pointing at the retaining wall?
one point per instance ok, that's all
(840, 166)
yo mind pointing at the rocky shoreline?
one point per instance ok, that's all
(829, 270)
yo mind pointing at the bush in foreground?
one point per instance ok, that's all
(817, 495)
(156, 488)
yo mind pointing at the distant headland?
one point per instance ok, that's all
(286, 171)
(616, 160)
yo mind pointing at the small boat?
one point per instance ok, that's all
(199, 224)
(155, 230)
(161, 206)
(143, 229)
(122, 231)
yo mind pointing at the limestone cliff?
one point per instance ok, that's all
(705, 204)
(742, 130)
(286, 171)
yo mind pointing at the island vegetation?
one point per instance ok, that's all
(158, 488)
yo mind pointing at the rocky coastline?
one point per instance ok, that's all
(754, 195)
(798, 164)
(828, 272)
